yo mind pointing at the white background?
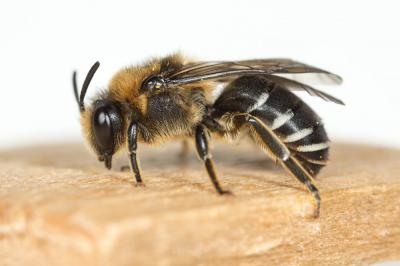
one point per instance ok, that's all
(43, 41)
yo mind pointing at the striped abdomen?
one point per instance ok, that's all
(295, 123)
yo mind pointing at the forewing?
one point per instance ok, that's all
(219, 69)
(224, 71)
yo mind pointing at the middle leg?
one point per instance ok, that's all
(205, 156)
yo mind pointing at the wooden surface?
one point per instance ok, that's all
(58, 206)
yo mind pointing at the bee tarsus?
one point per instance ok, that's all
(132, 148)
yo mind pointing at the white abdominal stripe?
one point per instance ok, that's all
(281, 119)
(302, 133)
(313, 147)
(260, 102)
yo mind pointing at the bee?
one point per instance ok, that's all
(176, 98)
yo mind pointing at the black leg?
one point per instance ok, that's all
(301, 174)
(132, 147)
(204, 154)
(282, 154)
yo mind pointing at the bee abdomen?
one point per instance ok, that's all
(312, 149)
(298, 126)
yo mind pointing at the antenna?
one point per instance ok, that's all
(80, 99)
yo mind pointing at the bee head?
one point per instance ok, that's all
(102, 122)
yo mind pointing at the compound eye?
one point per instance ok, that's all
(152, 83)
(103, 130)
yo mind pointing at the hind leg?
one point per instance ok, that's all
(281, 153)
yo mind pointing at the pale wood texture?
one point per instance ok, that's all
(58, 206)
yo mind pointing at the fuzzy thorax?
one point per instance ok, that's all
(125, 85)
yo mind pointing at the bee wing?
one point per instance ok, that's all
(224, 71)
(299, 86)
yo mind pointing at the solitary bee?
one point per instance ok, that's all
(175, 98)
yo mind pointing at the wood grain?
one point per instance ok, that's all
(58, 206)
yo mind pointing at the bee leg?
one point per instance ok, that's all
(132, 147)
(283, 155)
(204, 154)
